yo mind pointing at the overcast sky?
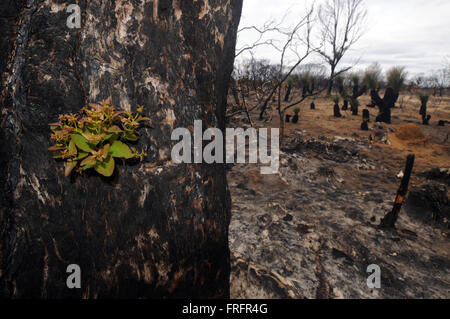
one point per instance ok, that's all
(410, 33)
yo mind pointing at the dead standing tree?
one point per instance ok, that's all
(151, 230)
(298, 36)
(341, 26)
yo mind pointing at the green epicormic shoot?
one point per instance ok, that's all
(94, 138)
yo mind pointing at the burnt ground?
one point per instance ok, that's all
(312, 230)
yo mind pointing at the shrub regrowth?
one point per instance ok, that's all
(396, 78)
(95, 137)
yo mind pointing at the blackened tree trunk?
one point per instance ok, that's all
(154, 229)
(384, 104)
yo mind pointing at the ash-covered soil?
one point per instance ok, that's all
(312, 230)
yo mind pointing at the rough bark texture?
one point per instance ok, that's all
(154, 229)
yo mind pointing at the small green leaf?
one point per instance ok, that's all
(119, 149)
(69, 166)
(105, 150)
(89, 161)
(93, 139)
(106, 168)
(82, 155)
(81, 142)
(130, 137)
(114, 129)
(72, 147)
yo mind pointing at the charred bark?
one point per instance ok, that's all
(154, 229)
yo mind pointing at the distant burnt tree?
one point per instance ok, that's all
(372, 79)
(341, 25)
(396, 78)
(352, 92)
(336, 111)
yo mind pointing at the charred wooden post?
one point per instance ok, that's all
(391, 218)
(153, 230)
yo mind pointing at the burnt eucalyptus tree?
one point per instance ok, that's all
(154, 229)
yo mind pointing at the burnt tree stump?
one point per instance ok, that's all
(154, 229)
(336, 110)
(288, 118)
(391, 218)
(365, 120)
(345, 105)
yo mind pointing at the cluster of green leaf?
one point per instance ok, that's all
(396, 78)
(95, 137)
(372, 76)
